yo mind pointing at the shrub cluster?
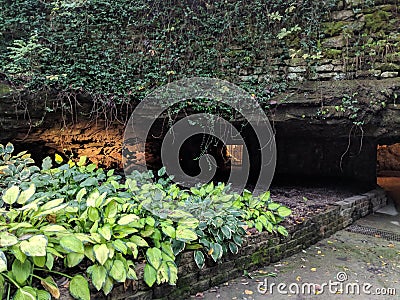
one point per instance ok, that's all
(91, 226)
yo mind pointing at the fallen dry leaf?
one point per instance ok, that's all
(313, 269)
(248, 292)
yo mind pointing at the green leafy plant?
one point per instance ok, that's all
(72, 216)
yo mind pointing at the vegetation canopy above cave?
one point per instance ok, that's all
(117, 51)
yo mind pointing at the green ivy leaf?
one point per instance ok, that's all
(168, 230)
(79, 288)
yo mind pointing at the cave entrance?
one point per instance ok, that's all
(225, 156)
(388, 171)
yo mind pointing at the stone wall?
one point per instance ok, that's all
(258, 250)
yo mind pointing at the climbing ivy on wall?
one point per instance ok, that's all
(116, 51)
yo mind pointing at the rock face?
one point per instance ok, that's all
(389, 159)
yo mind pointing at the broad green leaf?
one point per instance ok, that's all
(89, 252)
(93, 214)
(105, 231)
(233, 248)
(178, 246)
(91, 200)
(141, 242)
(125, 220)
(172, 272)
(90, 181)
(134, 248)
(39, 261)
(189, 223)
(3, 262)
(120, 246)
(118, 271)
(111, 210)
(7, 239)
(16, 251)
(81, 193)
(108, 285)
(9, 148)
(217, 251)
(25, 195)
(154, 257)
(11, 195)
(199, 259)
(46, 164)
(101, 253)
(282, 230)
(35, 246)
(21, 271)
(185, 234)
(82, 161)
(73, 259)
(226, 231)
(149, 275)
(273, 206)
(284, 211)
(51, 286)
(51, 204)
(53, 228)
(168, 230)
(131, 274)
(72, 244)
(166, 248)
(43, 295)
(79, 288)
(99, 276)
(259, 226)
(49, 261)
(162, 273)
(25, 293)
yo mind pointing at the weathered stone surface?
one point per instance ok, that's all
(333, 42)
(342, 15)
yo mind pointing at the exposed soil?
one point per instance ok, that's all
(306, 201)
